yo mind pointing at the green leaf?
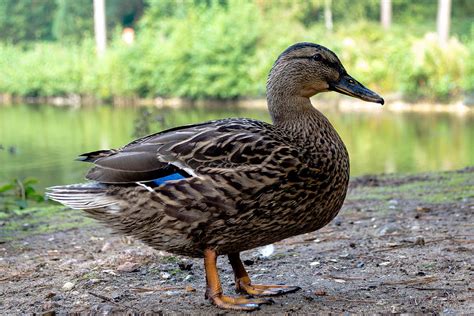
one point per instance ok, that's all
(7, 187)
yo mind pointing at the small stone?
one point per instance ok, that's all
(189, 288)
(185, 266)
(68, 286)
(388, 229)
(50, 295)
(420, 241)
(360, 265)
(266, 251)
(384, 264)
(165, 275)
(128, 267)
(48, 306)
(106, 247)
(249, 262)
(188, 277)
(339, 281)
(320, 293)
(315, 263)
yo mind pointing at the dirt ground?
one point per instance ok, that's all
(401, 244)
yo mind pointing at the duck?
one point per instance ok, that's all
(221, 187)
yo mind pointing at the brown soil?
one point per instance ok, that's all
(397, 246)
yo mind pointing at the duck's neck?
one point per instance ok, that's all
(295, 114)
(287, 108)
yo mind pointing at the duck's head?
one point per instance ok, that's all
(305, 69)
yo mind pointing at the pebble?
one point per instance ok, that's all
(320, 293)
(384, 264)
(188, 277)
(420, 241)
(315, 263)
(185, 266)
(128, 267)
(360, 265)
(68, 286)
(165, 275)
(106, 247)
(266, 251)
(388, 229)
(249, 262)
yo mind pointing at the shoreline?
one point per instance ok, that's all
(340, 103)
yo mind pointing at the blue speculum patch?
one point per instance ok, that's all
(173, 176)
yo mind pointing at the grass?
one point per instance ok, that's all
(40, 220)
(432, 189)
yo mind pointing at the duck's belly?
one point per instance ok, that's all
(282, 218)
(267, 219)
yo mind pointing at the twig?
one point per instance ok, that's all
(424, 280)
(108, 299)
(432, 289)
(166, 288)
(345, 278)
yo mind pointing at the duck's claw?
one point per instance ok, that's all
(239, 303)
(265, 290)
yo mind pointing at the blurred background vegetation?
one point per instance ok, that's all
(224, 49)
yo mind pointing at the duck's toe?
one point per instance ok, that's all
(266, 290)
(239, 303)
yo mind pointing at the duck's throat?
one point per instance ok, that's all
(292, 112)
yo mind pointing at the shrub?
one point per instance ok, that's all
(434, 71)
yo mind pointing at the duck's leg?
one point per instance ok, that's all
(214, 288)
(244, 285)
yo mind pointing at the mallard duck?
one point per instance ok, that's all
(229, 185)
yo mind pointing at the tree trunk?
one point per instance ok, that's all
(99, 26)
(386, 13)
(328, 15)
(443, 21)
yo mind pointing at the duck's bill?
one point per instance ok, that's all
(351, 87)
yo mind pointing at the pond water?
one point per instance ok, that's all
(42, 141)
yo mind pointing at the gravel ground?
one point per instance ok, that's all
(401, 244)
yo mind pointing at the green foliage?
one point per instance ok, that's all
(26, 20)
(224, 50)
(469, 78)
(17, 194)
(44, 69)
(434, 70)
(73, 20)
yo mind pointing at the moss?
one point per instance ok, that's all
(47, 219)
(428, 188)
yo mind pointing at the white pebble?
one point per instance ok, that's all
(68, 286)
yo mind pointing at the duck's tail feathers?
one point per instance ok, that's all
(82, 196)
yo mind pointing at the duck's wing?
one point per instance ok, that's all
(216, 147)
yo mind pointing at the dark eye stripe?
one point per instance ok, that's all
(323, 60)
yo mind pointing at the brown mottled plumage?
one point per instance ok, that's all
(244, 183)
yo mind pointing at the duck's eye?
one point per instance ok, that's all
(317, 57)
